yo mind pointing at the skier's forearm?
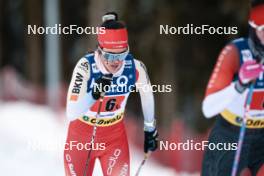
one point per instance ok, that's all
(76, 109)
(215, 103)
(147, 103)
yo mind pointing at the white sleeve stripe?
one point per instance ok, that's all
(215, 103)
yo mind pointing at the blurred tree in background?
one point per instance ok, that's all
(184, 61)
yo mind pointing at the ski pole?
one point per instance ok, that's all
(243, 128)
(109, 77)
(93, 134)
(242, 132)
(146, 156)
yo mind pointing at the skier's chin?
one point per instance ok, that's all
(113, 67)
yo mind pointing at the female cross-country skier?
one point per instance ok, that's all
(238, 65)
(114, 71)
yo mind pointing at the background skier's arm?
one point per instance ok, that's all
(221, 90)
(78, 100)
(147, 98)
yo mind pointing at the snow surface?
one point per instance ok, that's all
(32, 144)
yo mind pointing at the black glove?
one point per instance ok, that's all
(103, 83)
(151, 141)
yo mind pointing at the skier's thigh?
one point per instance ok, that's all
(75, 155)
(74, 162)
(208, 165)
(115, 161)
(257, 156)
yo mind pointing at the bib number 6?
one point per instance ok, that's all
(110, 104)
